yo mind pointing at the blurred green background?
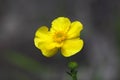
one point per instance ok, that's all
(98, 60)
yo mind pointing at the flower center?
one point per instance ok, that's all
(59, 36)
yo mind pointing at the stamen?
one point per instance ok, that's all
(59, 37)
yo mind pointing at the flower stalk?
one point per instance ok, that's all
(73, 70)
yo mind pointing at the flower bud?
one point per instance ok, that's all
(72, 65)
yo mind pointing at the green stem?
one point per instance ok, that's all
(74, 76)
(73, 72)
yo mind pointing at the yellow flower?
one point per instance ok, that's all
(63, 35)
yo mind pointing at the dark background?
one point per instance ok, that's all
(98, 60)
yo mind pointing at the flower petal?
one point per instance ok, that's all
(75, 29)
(41, 35)
(43, 41)
(49, 53)
(43, 30)
(71, 47)
(43, 38)
(61, 24)
(48, 48)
